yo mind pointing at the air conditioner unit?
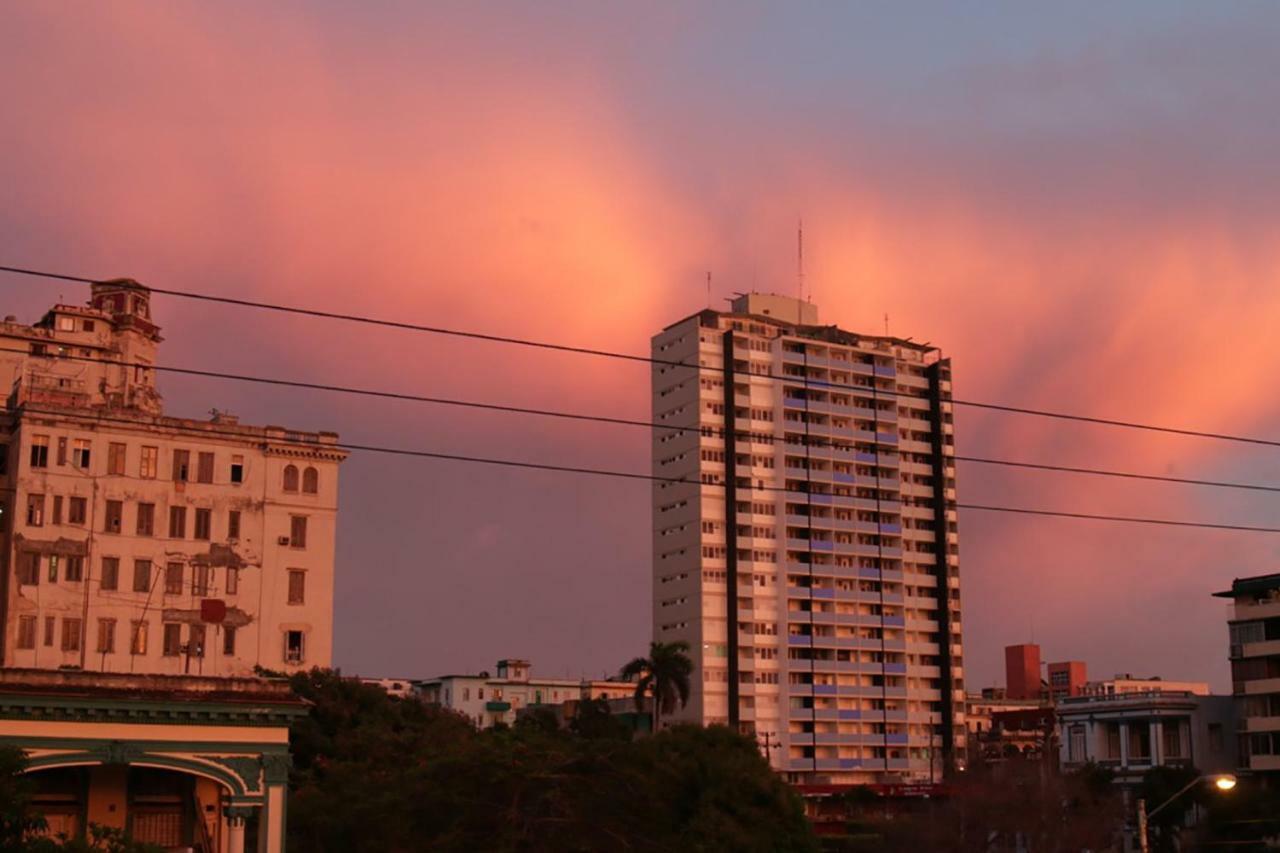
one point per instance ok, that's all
(283, 540)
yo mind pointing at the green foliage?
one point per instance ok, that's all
(664, 674)
(17, 821)
(379, 774)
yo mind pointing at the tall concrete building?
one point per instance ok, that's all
(813, 467)
(133, 542)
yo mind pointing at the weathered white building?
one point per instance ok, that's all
(805, 540)
(489, 699)
(133, 542)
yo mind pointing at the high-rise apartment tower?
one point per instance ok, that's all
(805, 540)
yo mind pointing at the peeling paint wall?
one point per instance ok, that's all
(248, 570)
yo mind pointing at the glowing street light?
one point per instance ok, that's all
(1223, 782)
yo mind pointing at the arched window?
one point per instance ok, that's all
(311, 481)
(291, 478)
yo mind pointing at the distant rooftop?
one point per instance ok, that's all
(1247, 586)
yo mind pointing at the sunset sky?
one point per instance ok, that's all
(1080, 203)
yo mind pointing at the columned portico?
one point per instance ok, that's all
(221, 745)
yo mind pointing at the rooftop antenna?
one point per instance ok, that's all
(708, 288)
(799, 267)
(886, 324)
(800, 259)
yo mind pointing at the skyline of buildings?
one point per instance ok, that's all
(820, 480)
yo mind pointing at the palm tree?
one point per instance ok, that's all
(664, 674)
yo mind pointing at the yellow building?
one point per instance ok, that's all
(178, 761)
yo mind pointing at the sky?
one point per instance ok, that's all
(1079, 204)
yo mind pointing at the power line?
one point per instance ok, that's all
(806, 440)
(1127, 475)
(547, 345)
(602, 472)
(1121, 518)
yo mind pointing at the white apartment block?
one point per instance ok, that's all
(132, 542)
(825, 482)
(488, 699)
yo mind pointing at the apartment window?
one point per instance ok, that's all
(4, 459)
(149, 463)
(71, 635)
(181, 466)
(28, 568)
(173, 579)
(293, 647)
(146, 519)
(115, 457)
(77, 510)
(1172, 739)
(177, 522)
(233, 580)
(75, 569)
(310, 481)
(237, 469)
(233, 524)
(204, 468)
(141, 575)
(203, 523)
(298, 531)
(57, 509)
(228, 640)
(106, 636)
(114, 517)
(35, 510)
(172, 646)
(80, 453)
(297, 586)
(195, 641)
(110, 573)
(26, 632)
(200, 580)
(53, 568)
(50, 627)
(291, 478)
(39, 451)
(138, 637)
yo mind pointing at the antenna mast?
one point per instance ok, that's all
(800, 259)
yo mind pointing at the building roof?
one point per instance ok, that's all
(78, 684)
(1244, 586)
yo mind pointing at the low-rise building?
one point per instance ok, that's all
(999, 725)
(400, 688)
(182, 762)
(1254, 624)
(1131, 732)
(489, 700)
(1126, 683)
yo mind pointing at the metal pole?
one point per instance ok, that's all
(1143, 845)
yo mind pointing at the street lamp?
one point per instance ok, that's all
(1222, 781)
